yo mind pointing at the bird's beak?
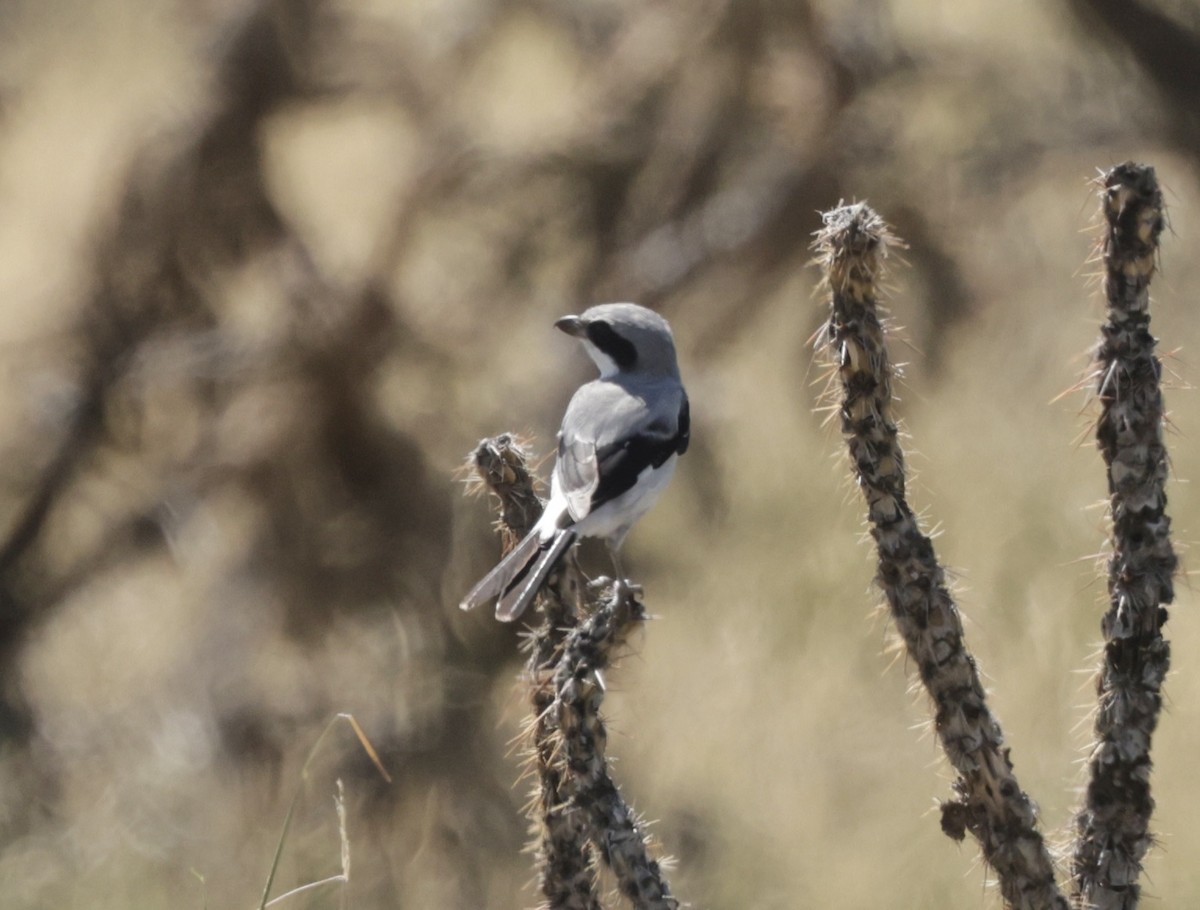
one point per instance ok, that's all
(572, 325)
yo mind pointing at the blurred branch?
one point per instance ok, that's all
(1113, 827)
(166, 216)
(577, 808)
(1166, 52)
(990, 802)
(76, 443)
(141, 268)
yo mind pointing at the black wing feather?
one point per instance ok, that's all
(621, 463)
(685, 426)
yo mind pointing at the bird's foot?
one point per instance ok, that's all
(620, 587)
(596, 585)
(623, 590)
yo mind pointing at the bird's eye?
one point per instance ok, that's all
(621, 350)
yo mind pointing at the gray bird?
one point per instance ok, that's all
(620, 438)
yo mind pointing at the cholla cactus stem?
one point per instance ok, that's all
(565, 866)
(1112, 828)
(990, 803)
(618, 835)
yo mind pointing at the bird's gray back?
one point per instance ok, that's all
(612, 431)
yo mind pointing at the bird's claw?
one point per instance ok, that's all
(598, 584)
(623, 590)
(620, 587)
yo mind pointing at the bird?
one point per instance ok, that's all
(620, 439)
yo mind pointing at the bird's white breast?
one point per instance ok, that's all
(614, 519)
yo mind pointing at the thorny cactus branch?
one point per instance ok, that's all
(501, 465)
(577, 805)
(1113, 826)
(588, 650)
(566, 871)
(990, 803)
(566, 866)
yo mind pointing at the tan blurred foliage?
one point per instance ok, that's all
(268, 270)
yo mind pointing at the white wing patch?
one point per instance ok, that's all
(578, 476)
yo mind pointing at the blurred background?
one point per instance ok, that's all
(269, 270)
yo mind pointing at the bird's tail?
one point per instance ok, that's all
(520, 574)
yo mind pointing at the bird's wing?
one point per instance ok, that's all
(611, 435)
(578, 473)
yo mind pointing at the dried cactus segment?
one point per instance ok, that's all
(566, 868)
(1113, 827)
(500, 465)
(852, 248)
(576, 811)
(617, 833)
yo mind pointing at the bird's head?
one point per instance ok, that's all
(624, 338)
